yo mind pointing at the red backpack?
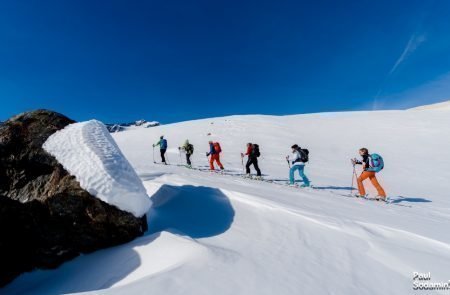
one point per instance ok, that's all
(217, 147)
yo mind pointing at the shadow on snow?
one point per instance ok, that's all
(400, 199)
(90, 272)
(194, 211)
(197, 212)
(344, 188)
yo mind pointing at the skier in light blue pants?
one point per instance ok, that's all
(298, 163)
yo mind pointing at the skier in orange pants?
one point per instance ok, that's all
(373, 179)
(371, 165)
(214, 153)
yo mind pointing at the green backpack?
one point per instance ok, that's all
(190, 149)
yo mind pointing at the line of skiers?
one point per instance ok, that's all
(371, 163)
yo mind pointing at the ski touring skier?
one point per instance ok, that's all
(371, 164)
(162, 143)
(214, 154)
(252, 159)
(298, 160)
(188, 148)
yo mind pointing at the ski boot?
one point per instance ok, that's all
(381, 199)
(360, 196)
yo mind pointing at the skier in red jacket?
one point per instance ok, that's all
(252, 159)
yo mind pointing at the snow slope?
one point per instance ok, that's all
(222, 234)
(88, 152)
(445, 106)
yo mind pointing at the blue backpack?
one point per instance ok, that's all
(376, 163)
(163, 144)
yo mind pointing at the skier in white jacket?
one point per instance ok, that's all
(298, 163)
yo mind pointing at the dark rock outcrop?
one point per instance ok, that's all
(46, 218)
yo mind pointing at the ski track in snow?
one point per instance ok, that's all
(224, 234)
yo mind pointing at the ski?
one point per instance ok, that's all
(388, 201)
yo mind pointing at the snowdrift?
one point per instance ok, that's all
(88, 152)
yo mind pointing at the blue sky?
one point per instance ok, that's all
(176, 60)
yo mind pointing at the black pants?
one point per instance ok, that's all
(163, 151)
(188, 158)
(254, 161)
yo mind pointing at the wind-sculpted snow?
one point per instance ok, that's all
(88, 152)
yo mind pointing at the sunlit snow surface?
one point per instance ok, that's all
(443, 106)
(220, 234)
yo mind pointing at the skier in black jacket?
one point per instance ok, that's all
(252, 159)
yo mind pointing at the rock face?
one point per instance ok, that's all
(46, 218)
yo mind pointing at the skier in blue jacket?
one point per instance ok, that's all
(162, 148)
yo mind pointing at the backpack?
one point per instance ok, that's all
(304, 155)
(190, 149)
(255, 150)
(217, 148)
(376, 163)
(163, 144)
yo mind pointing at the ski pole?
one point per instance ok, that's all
(356, 174)
(154, 154)
(353, 178)
(287, 160)
(242, 162)
(179, 152)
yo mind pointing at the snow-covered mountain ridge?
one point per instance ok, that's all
(118, 127)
